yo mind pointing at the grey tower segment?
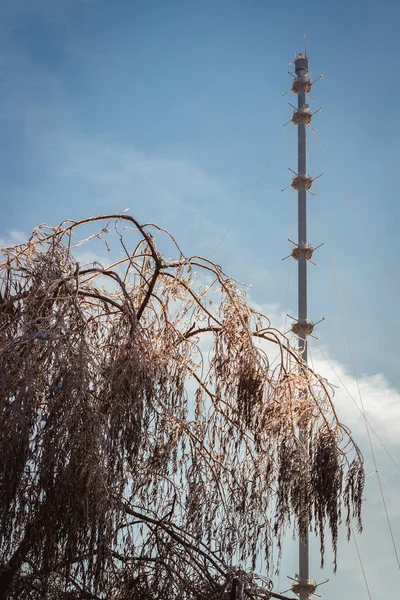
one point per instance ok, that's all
(302, 182)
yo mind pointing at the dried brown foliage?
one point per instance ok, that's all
(148, 440)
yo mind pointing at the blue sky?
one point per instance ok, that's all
(173, 109)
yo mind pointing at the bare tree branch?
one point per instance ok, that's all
(145, 388)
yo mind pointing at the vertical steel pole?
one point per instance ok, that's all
(302, 253)
(302, 304)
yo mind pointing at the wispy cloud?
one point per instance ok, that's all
(167, 188)
(372, 393)
(12, 238)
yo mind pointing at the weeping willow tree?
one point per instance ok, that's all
(149, 418)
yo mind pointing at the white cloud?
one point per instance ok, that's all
(380, 399)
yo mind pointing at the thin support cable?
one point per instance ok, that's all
(357, 381)
(336, 284)
(358, 408)
(361, 563)
(289, 270)
(310, 357)
(354, 207)
(252, 192)
(389, 484)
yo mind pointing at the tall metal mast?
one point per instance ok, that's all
(302, 252)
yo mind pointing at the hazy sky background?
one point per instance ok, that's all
(173, 109)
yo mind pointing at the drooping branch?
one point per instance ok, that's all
(144, 387)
